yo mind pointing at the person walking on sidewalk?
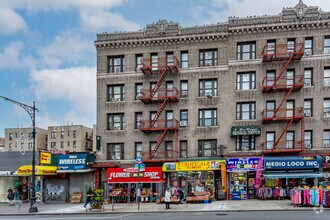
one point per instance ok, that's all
(11, 196)
(167, 198)
(89, 200)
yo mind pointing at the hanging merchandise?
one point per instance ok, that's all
(309, 197)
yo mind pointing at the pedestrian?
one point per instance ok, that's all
(167, 198)
(10, 196)
(88, 200)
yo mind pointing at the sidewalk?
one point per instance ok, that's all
(217, 206)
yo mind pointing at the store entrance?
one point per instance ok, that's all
(219, 194)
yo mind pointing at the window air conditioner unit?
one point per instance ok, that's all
(116, 128)
(326, 145)
(116, 157)
(326, 114)
(308, 146)
(184, 93)
(208, 64)
(308, 84)
(208, 94)
(308, 114)
(326, 83)
(308, 52)
(183, 123)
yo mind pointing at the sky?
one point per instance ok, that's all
(47, 52)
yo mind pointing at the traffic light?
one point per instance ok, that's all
(98, 142)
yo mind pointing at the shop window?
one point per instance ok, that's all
(115, 151)
(116, 93)
(207, 148)
(138, 149)
(308, 77)
(208, 57)
(308, 139)
(245, 142)
(183, 149)
(246, 50)
(116, 64)
(246, 81)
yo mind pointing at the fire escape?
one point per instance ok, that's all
(285, 84)
(160, 96)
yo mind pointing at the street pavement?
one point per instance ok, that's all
(216, 206)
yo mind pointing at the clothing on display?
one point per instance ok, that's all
(308, 197)
(271, 193)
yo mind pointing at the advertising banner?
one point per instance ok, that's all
(72, 163)
(45, 158)
(258, 174)
(26, 170)
(193, 165)
(124, 175)
(242, 164)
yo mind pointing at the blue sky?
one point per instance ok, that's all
(47, 51)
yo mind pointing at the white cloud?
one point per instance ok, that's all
(74, 85)
(11, 56)
(103, 20)
(11, 22)
(67, 47)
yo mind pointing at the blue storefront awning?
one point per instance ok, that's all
(292, 175)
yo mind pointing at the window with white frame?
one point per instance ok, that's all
(116, 64)
(208, 87)
(246, 81)
(246, 50)
(116, 93)
(308, 77)
(326, 138)
(327, 76)
(115, 151)
(308, 139)
(245, 110)
(116, 121)
(308, 107)
(184, 59)
(207, 148)
(270, 140)
(53, 134)
(207, 117)
(208, 57)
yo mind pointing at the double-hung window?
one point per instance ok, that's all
(327, 76)
(138, 120)
(207, 148)
(208, 87)
(308, 107)
(138, 149)
(138, 91)
(308, 77)
(327, 45)
(245, 110)
(308, 46)
(208, 57)
(184, 89)
(116, 64)
(246, 50)
(308, 139)
(184, 59)
(246, 81)
(115, 151)
(116, 121)
(168, 149)
(326, 108)
(183, 149)
(183, 118)
(326, 138)
(207, 117)
(116, 93)
(245, 142)
(138, 61)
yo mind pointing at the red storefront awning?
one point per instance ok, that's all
(123, 175)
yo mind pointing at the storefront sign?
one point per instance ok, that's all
(245, 130)
(193, 165)
(149, 175)
(73, 163)
(26, 170)
(282, 163)
(242, 164)
(45, 158)
(8, 173)
(327, 159)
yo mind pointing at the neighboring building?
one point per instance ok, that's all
(20, 139)
(2, 144)
(72, 138)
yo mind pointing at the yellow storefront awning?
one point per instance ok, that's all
(26, 170)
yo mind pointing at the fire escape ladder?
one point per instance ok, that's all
(283, 100)
(284, 68)
(283, 132)
(159, 112)
(159, 142)
(159, 82)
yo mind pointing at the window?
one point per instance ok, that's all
(116, 121)
(138, 91)
(62, 144)
(245, 110)
(138, 61)
(308, 77)
(270, 140)
(207, 148)
(169, 59)
(10, 136)
(208, 87)
(152, 146)
(154, 61)
(308, 139)
(308, 46)
(246, 50)
(270, 77)
(116, 93)
(184, 59)
(169, 89)
(62, 134)
(290, 77)
(115, 151)
(53, 135)
(53, 145)
(245, 142)
(289, 140)
(68, 133)
(271, 46)
(208, 57)
(207, 117)
(270, 109)
(74, 134)
(291, 45)
(290, 108)
(326, 138)
(168, 149)
(138, 120)
(183, 118)
(30, 135)
(326, 108)
(116, 64)
(138, 149)
(308, 108)
(183, 149)
(327, 76)
(184, 89)
(68, 143)
(246, 81)
(74, 144)
(169, 119)
(327, 45)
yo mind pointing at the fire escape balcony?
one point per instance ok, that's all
(158, 65)
(283, 83)
(282, 52)
(282, 115)
(159, 125)
(171, 94)
(282, 147)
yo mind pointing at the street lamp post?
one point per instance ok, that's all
(31, 110)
